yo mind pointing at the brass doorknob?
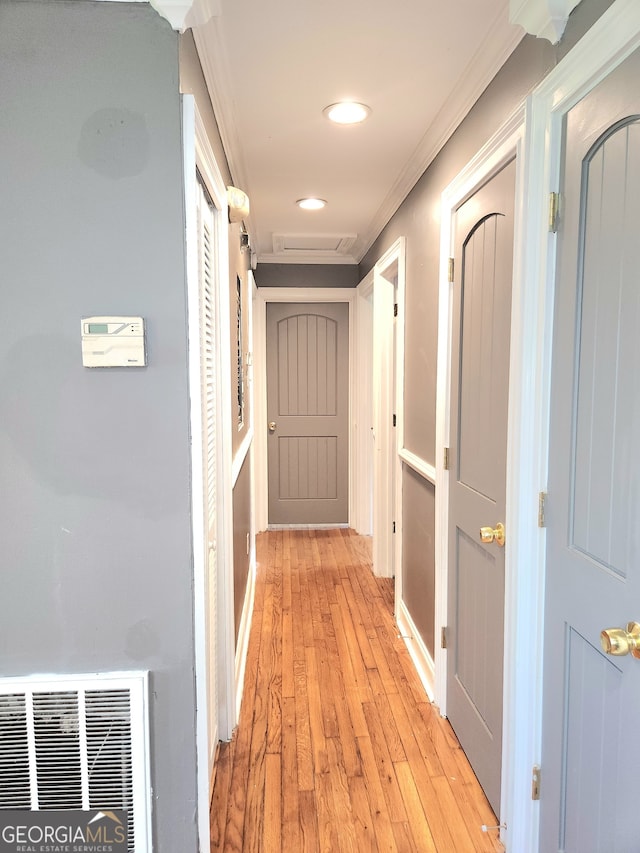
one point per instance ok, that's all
(272, 426)
(493, 534)
(617, 641)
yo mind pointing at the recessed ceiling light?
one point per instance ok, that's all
(311, 203)
(347, 112)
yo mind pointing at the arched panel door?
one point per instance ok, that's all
(478, 463)
(308, 412)
(592, 699)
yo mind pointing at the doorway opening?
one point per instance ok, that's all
(301, 297)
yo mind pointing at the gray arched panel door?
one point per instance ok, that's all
(308, 412)
(591, 742)
(478, 463)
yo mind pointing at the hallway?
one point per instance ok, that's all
(338, 747)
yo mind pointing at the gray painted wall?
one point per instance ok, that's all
(418, 566)
(95, 541)
(418, 219)
(241, 529)
(307, 275)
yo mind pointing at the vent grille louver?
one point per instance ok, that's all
(79, 742)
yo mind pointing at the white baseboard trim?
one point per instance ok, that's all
(307, 526)
(419, 653)
(242, 646)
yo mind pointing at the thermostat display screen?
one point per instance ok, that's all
(98, 329)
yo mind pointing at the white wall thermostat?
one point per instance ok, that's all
(113, 342)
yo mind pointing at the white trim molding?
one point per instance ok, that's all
(545, 19)
(418, 652)
(244, 631)
(506, 144)
(419, 465)
(388, 382)
(210, 172)
(362, 493)
(291, 294)
(197, 154)
(199, 565)
(611, 39)
(240, 456)
(181, 14)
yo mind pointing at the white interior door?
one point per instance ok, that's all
(478, 447)
(591, 699)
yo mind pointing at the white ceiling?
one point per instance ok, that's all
(273, 65)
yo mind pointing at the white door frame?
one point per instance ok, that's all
(362, 519)
(503, 147)
(611, 39)
(387, 401)
(197, 153)
(538, 146)
(292, 294)
(391, 454)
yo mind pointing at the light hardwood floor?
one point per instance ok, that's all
(338, 747)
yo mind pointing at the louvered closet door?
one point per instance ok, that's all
(206, 242)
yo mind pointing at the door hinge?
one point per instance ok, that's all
(394, 420)
(446, 459)
(542, 500)
(443, 638)
(394, 527)
(451, 269)
(554, 205)
(395, 309)
(535, 783)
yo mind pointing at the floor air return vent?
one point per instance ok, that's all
(77, 742)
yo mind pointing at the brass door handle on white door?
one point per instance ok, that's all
(493, 534)
(272, 426)
(618, 641)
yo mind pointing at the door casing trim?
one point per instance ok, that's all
(611, 39)
(197, 153)
(387, 398)
(362, 520)
(614, 36)
(505, 145)
(302, 295)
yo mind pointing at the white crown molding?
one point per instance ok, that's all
(217, 74)
(542, 18)
(181, 14)
(174, 11)
(493, 52)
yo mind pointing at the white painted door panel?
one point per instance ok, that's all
(591, 744)
(478, 443)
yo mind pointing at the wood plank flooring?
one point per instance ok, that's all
(338, 747)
